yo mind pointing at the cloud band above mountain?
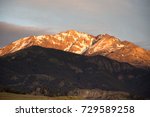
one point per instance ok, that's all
(11, 32)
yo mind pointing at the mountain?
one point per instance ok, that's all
(122, 51)
(71, 41)
(43, 71)
(82, 43)
(74, 63)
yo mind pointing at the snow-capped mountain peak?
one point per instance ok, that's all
(83, 43)
(71, 40)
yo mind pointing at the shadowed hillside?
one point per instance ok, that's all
(41, 71)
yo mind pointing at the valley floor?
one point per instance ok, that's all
(13, 96)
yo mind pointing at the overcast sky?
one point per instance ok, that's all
(125, 19)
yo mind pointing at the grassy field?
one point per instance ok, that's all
(13, 96)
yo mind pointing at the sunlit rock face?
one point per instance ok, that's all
(122, 51)
(83, 43)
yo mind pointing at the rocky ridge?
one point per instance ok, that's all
(86, 44)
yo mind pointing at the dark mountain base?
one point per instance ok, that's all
(42, 71)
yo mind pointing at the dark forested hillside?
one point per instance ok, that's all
(42, 71)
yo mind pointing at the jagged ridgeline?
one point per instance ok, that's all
(83, 43)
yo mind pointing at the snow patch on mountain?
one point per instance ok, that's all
(82, 43)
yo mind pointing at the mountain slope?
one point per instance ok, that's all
(52, 72)
(71, 41)
(122, 51)
(82, 43)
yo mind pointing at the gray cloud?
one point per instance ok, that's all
(11, 32)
